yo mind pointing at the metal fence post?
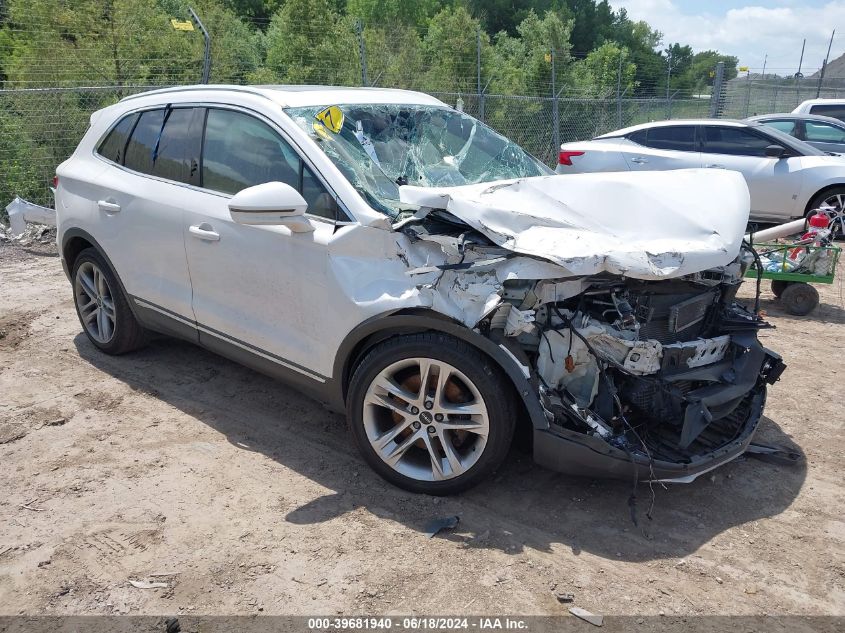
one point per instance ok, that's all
(619, 93)
(716, 95)
(747, 92)
(362, 51)
(206, 60)
(478, 74)
(555, 107)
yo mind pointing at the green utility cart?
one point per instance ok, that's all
(791, 281)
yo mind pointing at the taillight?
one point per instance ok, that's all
(55, 182)
(565, 157)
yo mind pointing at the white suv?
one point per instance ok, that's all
(401, 261)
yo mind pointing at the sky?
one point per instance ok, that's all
(749, 30)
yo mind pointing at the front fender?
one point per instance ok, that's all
(383, 326)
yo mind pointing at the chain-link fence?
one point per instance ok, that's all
(59, 63)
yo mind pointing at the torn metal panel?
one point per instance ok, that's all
(644, 225)
(22, 211)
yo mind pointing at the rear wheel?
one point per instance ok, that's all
(102, 307)
(778, 287)
(430, 413)
(799, 298)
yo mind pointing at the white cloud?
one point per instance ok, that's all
(749, 32)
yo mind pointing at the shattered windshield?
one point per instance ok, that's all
(379, 147)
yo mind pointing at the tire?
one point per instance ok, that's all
(102, 307)
(835, 197)
(422, 442)
(778, 287)
(799, 298)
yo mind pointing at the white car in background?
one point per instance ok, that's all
(825, 107)
(786, 177)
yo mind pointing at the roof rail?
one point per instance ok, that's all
(245, 89)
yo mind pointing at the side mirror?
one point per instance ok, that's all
(774, 151)
(273, 203)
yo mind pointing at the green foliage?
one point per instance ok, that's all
(605, 68)
(309, 42)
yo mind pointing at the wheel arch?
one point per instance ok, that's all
(412, 321)
(825, 189)
(74, 241)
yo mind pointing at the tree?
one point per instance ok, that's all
(703, 68)
(450, 49)
(309, 42)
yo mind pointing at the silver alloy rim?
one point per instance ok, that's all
(94, 301)
(426, 419)
(834, 207)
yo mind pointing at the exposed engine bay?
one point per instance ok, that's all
(670, 369)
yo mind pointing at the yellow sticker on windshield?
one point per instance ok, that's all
(331, 117)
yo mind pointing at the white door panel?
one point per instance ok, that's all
(139, 225)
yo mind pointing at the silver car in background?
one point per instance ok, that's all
(785, 176)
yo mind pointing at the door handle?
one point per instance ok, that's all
(205, 232)
(639, 160)
(108, 207)
(715, 166)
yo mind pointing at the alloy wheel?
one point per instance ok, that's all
(95, 302)
(426, 419)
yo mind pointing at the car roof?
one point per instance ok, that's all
(828, 100)
(796, 115)
(645, 126)
(297, 96)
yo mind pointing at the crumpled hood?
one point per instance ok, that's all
(645, 225)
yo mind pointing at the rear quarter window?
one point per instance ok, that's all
(835, 110)
(113, 146)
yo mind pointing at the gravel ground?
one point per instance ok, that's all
(241, 496)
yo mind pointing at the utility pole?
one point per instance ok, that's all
(765, 59)
(824, 65)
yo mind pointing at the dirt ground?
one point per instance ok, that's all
(241, 496)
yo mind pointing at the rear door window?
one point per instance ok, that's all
(113, 146)
(784, 125)
(178, 153)
(734, 141)
(679, 138)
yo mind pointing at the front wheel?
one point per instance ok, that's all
(832, 204)
(430, 413)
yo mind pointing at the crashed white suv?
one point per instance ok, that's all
(396, 258)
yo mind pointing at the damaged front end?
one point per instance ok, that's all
(662, 376)
(667, 376)
(613, 293)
